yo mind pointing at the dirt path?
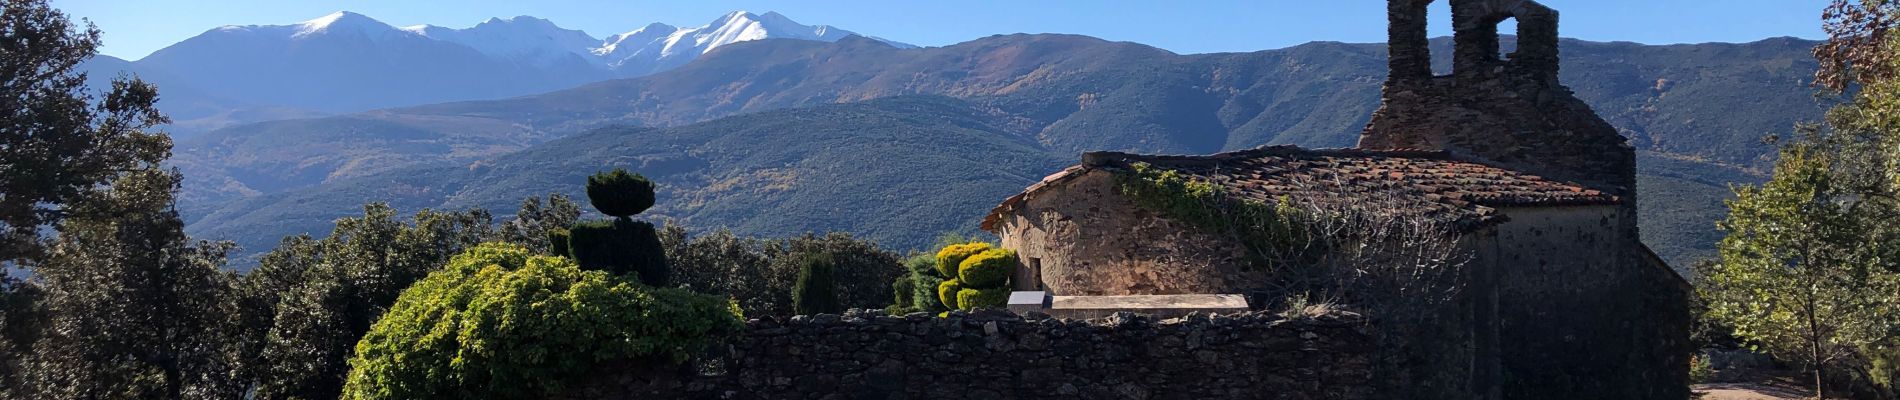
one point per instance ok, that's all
(1745, 391)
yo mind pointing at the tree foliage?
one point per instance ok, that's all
(498, 322)
(1855, 50)
(1808, 268)
(132, 306)
(310, 300)
(923, 278)
(760, 273)
(542, 226)
(59, 143)
(816, 291)
(1801, 270)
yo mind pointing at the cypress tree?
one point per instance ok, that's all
(816, 291)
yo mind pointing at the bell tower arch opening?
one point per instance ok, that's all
(1476, 24)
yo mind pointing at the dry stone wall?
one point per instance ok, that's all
(999, 355)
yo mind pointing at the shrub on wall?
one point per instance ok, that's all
(1273, 232)
(498, 322)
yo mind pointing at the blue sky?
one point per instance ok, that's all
(136, 28)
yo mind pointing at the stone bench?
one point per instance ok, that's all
(1159, 306)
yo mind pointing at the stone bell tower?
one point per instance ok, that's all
(1509, 111)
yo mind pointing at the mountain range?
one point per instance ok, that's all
(780, 137)
(347, 62)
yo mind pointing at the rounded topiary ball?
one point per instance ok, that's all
(951, 257)
(989, 269)
(619, 193)
(947, 293)
(970, 299)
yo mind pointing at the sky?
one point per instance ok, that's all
(135, 28)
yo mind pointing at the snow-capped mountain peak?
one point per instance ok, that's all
(340, 21)
(517, 42)
(526, 39)
(659, 47)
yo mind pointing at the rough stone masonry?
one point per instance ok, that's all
(999, 355)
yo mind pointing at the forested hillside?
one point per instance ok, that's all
(1057, 95)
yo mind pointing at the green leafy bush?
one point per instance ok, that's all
(989, 269)
(1699, 369)
(816, 291)
(947, 293)
(924, 281)
(950, 257)
(498, 322)
(901, 292)
(982, 298)
(1265, 228)
(759, 273)
(620, 194)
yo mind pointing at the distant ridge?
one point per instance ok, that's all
(1061, 94)
(348, 62)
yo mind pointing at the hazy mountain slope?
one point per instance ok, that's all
(521, 39)
(193, 111)
(348, 62)
(344, 62)
(283, 151)
(898, 170)
(1075, 93)
(1712, 101)
(1697, 130)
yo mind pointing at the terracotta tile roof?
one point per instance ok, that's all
(1432, 182)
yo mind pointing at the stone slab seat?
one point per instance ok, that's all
(1159, 306)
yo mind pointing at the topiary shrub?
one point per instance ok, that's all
(947, 293)
(989, 269)
(500, 323)
(972, 266)
(816, 291)
(620, 245)
(969, 299)
(620, 194)
(557, 243)
(950, 257)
